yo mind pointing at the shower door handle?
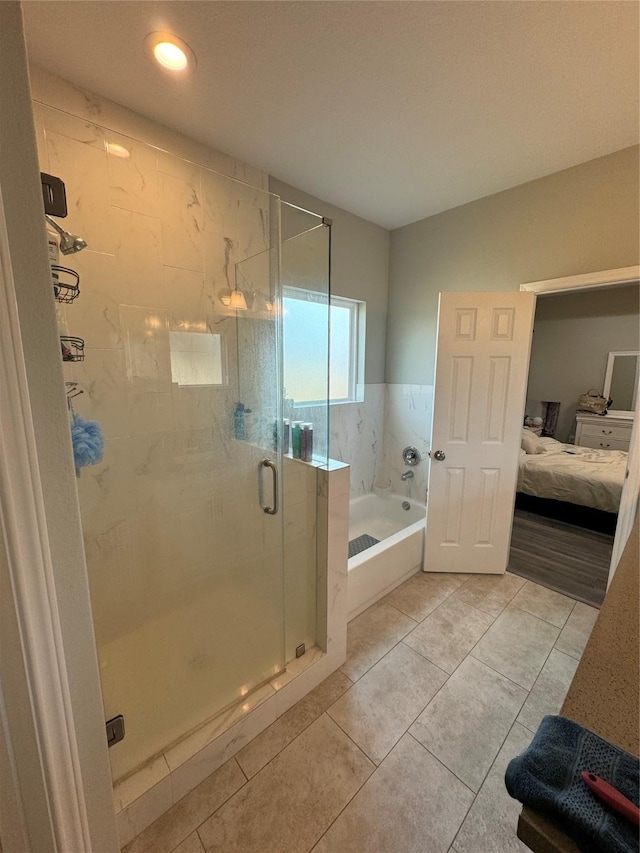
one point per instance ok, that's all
(272, 510)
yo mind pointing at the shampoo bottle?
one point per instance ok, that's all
(295, 438)
(307, 442)
(303, 442)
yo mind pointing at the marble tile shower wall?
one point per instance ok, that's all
(407, 421)
(370, 437)
(356, 437)
(163, 236)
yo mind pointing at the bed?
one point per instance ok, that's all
(585, 476)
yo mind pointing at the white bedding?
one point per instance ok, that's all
(583, 475)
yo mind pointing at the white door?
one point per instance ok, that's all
(482, 364)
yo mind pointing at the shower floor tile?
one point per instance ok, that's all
(306, 784)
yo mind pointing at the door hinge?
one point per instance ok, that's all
(115, 730)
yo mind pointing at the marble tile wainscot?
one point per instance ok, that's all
(357, 437)
(407, 422)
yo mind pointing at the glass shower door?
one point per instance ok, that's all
(212, 626)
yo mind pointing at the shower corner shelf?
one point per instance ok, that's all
(66, 284)
(72, 348)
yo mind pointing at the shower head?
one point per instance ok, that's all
(69, 243)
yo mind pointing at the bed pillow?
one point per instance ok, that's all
(530, 442)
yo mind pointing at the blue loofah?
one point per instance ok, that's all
(88, 442)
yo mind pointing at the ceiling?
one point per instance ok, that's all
(392, 110)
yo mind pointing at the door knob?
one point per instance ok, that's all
(439, 456)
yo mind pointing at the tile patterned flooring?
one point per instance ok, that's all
(404, 749)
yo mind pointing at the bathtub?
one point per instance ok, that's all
(398, 555)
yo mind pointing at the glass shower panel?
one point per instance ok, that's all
(305, 274)
(185, 567)
(304, 266)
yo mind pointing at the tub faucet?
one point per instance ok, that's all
(407, 475)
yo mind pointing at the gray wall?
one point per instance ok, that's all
(579, 220)
(359, 268)
(573, 335)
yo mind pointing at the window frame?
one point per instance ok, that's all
(357, 313)
(353, 306)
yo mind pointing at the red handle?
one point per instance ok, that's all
(612, 797)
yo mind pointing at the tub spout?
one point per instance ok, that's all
(407, 475)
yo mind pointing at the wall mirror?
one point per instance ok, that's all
(621, 381)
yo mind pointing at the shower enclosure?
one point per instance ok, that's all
(200, 531)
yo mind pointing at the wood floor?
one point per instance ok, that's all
(560, 556)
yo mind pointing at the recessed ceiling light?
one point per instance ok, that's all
(117, 150)
(169, 51)
(170, 56)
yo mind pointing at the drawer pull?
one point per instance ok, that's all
(604, 445)
(607, 432)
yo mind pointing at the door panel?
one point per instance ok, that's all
(482, 364)
(455, 494)
(461, 378)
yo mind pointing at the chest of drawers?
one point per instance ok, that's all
(608, 433)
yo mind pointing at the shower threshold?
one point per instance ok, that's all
(189, 760)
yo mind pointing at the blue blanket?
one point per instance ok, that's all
(546, 777)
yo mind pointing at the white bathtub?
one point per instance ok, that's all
(376, 571)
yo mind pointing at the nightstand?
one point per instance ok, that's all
(607, 432)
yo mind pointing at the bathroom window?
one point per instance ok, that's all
(306, 315)
(196, 358)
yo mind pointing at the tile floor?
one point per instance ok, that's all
(404, 749)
